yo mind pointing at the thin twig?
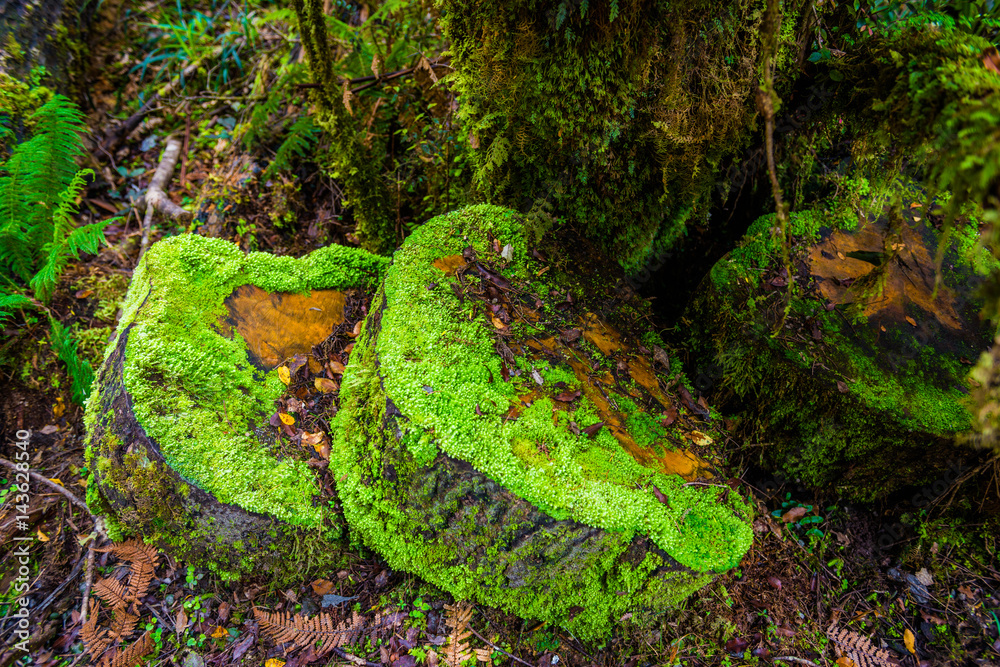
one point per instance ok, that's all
(88, 579)
(497, 648)
(52, 485)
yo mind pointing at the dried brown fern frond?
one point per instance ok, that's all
(114, 593)
(457, 649)
(859, 648)
(142, 577)
(133, 550)
(123, 625)
(304, 631)
(96, 640)
(131, 655)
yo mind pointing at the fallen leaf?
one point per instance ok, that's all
(910, 641)
(42, 537)
(842, 387)
(286, 418)
(659, 495)
(56, 480)
(570, 335)
(181, 622)
(793, 514)
(593, 429)
(224, 609)
(991, 59)
(297, 362)
(312, 439)
(736, 645)
(844, 661)
(568, 396)
(285, 376)
(508, 252)
(356, 331)
(775, 582)
(274, 662)
(912, 321)
(322, 586)
(335, 367)
(325, 385)
(49, 429)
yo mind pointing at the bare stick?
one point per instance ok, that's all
(156, 199)
(88, 579)
(49, 483)
(792, 658)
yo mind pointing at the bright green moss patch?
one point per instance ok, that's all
(193, 390)
(438, 366)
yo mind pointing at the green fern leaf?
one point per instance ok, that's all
(81, 374)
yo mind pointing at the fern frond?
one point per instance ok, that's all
(81, 373)
(132, 655)
(10, 302)
(65, 241)
(301, 136)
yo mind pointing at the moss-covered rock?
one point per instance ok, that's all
(178, 435)
(856, 376)
(502, 440)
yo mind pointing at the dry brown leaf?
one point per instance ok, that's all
(325, 385)
(910, 641)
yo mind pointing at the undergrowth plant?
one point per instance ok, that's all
(39, 186)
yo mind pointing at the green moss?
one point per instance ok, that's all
(423, 356)
(596, 114)
(868, 404)
(459, 376)
(182, 374)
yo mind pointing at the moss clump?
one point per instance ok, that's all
(194, 391)
(427, 389)
(856, 373)
(614, 114)
(196, 400)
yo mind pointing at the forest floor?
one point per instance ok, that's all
(824, 583)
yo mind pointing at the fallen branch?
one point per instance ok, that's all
(373, 80)
(792, 658)
(156, 198)
(49, 483)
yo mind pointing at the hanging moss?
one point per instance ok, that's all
(464, 441)
(616, 113)
(356, 166)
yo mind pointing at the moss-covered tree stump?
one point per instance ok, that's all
(502, 440)
(183, 443)
(862, 384)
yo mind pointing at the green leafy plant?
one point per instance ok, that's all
(39, 184)
(81, 373)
